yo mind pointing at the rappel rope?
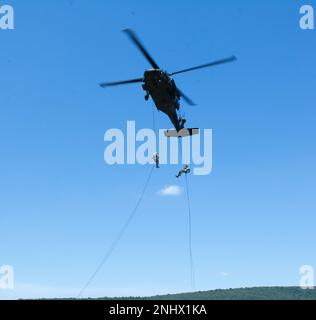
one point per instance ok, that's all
(119, 236)
(192, 269)
(124, 228)
(154, 120)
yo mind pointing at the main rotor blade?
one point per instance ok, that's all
(211, 64)
(140, 46)
(186, 98)
(111, 84)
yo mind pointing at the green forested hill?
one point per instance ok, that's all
(259, 293)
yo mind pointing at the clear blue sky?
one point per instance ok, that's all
(61, 205)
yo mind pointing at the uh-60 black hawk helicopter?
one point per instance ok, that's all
(159, 84)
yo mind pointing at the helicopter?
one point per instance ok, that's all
(160, 85)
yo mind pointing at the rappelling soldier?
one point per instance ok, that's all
(184, 170)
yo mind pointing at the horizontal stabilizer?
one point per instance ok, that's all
(186, 132)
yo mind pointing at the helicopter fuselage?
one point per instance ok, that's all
(162, 88)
